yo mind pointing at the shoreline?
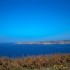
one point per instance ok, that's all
(25, 56)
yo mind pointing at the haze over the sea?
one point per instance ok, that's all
(34, 20)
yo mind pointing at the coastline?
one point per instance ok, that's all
(46, 42)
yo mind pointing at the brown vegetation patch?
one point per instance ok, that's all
(36, 62)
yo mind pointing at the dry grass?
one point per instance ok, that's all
(52, 62)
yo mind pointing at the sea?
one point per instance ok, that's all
(22, 50)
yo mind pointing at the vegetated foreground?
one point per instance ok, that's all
(51, 62)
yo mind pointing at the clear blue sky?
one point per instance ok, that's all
(34, 20)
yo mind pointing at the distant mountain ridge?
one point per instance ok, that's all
(47, 42)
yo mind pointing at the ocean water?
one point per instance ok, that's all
(20, 50)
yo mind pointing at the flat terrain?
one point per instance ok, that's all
(42, 62)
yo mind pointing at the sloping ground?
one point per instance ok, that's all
(52, 62)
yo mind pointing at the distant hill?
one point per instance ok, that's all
(46, 42)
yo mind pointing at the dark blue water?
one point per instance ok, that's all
(14, 50)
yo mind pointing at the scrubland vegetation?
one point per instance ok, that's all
(51, 62)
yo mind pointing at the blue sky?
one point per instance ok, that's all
(34, 20)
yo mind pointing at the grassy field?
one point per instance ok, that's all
(51, 62)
